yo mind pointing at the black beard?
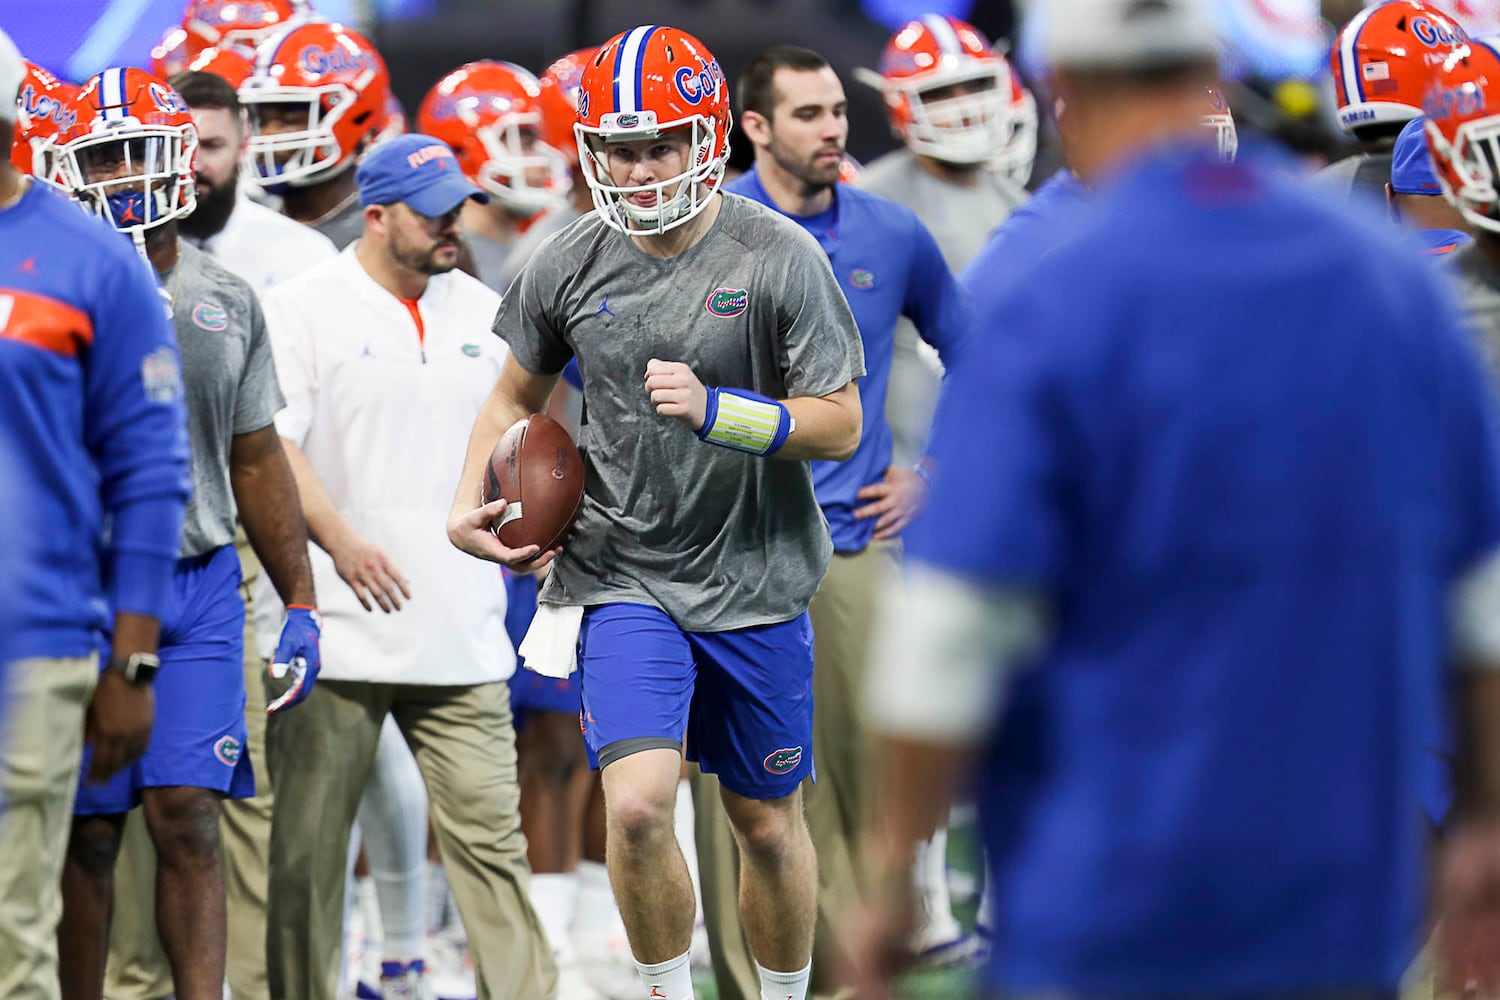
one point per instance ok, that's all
(211, 214)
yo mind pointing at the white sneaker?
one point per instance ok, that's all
(404, 981)
(604, 960)
(939, 942)
(450, 969)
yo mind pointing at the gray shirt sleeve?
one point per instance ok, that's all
(524, 321)
(259, 398)
(821, 351)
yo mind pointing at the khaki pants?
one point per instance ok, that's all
(138, 967)
(42, 748)
(321, 756)
(843, 615)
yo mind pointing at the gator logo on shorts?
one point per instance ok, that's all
(784, 760)
(862, 278)
(211, 318)
(727, 302)
(228, 751)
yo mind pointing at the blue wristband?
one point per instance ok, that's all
(742, 420)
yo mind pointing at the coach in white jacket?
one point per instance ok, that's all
(385, 356)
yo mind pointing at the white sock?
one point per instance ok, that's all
(940, 901)
(919, 852)
(554, 896)
(783, 985)
(437, 897)
(670, 980)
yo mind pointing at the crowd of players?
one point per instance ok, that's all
(331, 273)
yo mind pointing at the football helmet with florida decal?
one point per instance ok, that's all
(318, 94)
(490, 113)
(643, 84)
(47, 109)
(169, 56)
(560, 89)
(1462, 108)
(237, 24)
(1382, 60)
(948, 94)
(129, 155)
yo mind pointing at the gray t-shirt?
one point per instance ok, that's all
(961, 220)
(716, 538)
(344, 226)
(1479, 284)
(230, 381)
(520, 252)
(1364, 175)
(489, 259)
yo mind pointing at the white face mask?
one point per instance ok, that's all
(678, 198)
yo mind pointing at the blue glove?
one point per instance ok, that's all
(297, 653)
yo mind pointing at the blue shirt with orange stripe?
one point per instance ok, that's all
(93, 425)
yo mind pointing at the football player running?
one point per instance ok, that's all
(718, 357)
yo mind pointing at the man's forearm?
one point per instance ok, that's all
(266, 494)
(828, 427)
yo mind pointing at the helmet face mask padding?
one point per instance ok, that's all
(643, 84)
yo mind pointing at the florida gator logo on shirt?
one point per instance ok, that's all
(727, 301)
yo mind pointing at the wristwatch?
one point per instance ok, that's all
(137, 668)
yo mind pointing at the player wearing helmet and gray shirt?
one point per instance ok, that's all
(718, 356)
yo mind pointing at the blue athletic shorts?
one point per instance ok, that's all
(743, 699)
(198, 738)
(529, 690)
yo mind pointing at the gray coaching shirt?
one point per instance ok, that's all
(230, 381)
(717, 539)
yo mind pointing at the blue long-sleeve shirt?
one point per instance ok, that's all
(94, 428)
(888, 266)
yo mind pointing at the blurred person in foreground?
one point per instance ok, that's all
(1242, 574)
(93, 419)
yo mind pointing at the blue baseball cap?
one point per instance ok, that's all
(418, 170)
(1411, 166)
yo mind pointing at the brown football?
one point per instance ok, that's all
(537, 470)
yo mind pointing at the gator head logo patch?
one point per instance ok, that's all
(783, 761)
(727, 301)
(227, 750)
(210, 317)
(862, 278)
